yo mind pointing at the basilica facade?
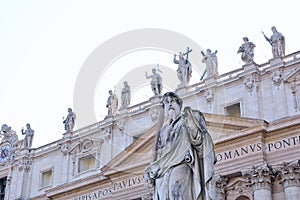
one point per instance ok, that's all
(252, 114)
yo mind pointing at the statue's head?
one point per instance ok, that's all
(4, 128)
(69, 109)
(208, 51)
(273, 28)
(245, 39)
(28, 125)
(110, 92)
(125, 83)
(181, 56)
(172, 104)
(154, 71)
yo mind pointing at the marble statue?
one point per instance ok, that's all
(184, 70)
(211, 61)
(156, 82)
(277, 42)
(9, 135)
(247, 50)
(184, 158)
(29, 133)
(125, 95)
(112, 104)
(70, 121)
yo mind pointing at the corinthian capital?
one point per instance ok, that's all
(289, 173)
(260, 176)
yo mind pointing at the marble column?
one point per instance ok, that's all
(290, 178)
(260, 177)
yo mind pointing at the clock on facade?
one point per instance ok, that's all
(4, 152)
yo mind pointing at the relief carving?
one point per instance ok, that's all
(153, 113)
(277, 78)
(209, 96)
(252, 82)
(237, 187)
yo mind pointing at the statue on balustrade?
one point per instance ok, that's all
(211, 61)
(184, 70)
(112, 104)
(9, 135)
(70, 121)
(247, 50)
(156, 82)
(183, 160)
(277, 42)
(29, 133)
(125, 95)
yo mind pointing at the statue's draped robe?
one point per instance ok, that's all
(185, 144)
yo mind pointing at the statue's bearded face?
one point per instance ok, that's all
(172, 108)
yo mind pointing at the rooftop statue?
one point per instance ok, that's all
(156, 82)
(27, 142)
(9, 135)
(211, 61)
(184, 158)
(184, 71)
(125, 95)
(70, 121)
(277, 42)
(112, 104)
(247, 50)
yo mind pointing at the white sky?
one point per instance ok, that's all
(43, 45)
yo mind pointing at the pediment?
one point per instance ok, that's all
(139, 153)
(293, 77)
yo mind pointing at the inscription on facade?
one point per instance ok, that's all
(105, 192)
(257, 147)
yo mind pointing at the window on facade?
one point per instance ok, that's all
(46, 179)
(243, 197)
(233, 110)
(2, 187)
(86, 163)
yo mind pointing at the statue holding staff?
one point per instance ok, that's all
(183, 160)
(277, 42)
(184, 70)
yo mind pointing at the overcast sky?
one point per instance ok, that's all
(44, 44)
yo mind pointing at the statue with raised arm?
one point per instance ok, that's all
(211, 61)
(247, 50)
(184, 70)
(156, 82)
(70, 121)
(125, 95)
(27, 142)
(277, 42)
(183, 163)
(112, 104)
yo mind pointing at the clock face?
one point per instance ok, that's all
(4, 152)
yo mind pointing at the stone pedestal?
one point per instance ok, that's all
(276, 61)
(211, 81)
(67, 135)
(182, 90)
(155, 99)
(250, 68)
(123, 111)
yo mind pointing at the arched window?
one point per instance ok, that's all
(243, 197)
